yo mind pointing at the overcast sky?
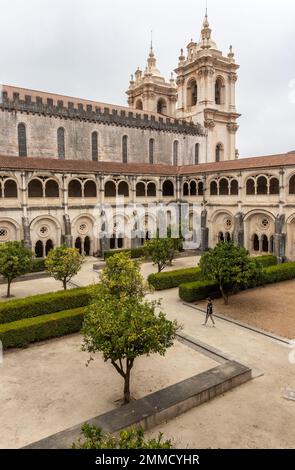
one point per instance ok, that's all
(89, 48)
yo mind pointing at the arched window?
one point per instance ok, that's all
(213, 188)
(175, 152)
(192, 93)
(110, 189)
(75, 188)
(223, 187)
(218, 91)
(35, 188)
(220, 237)
(151, 151)
(140, 190)
(256, 246)
(123, 189)
(51, 189)
(219, 153)
(22, 140)
(168, 188)
(250, 187)
(292, 185)
(197, 154)
(265, 244)
(234, 188)
(61, 143)
(227, 237)
(39, 249)
(139, 105)
(78, 245)
(125, 149)
(186, 189)
(90, 189)
(200, 188)
(48, 247)
(10, 189)
(94, 146)
(193, 188)
(87, 246)
(274, 186)
(271, 244)
(151, 190)
(262, 185)
(162, 106)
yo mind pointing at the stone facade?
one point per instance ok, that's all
(65, 161)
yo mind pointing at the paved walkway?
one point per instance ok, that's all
(85, 277)
(252, 416)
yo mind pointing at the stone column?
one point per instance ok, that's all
(68, 239)
(204, 232)
(239, 230)
(25, 219)
(280, 239)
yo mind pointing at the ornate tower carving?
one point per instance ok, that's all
(206, 82)
(149, 91)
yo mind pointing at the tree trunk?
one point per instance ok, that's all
(8, 287)
(127, 395)
(225, 297)
(64, 284)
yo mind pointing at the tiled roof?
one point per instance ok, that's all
(85, 166)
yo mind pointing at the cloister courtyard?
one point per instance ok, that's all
(47, 387)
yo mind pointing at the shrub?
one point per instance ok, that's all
(279, 273)
(199, 290)
(23, 332)
(267, 260)
(44, 304)
(38, 265)
(169, 280)
(134, 253)
(194, 291)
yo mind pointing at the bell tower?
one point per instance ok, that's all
(206, 81)
(149, 91)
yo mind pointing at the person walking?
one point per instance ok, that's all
(209, 313)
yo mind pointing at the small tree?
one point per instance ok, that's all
(129, 439)
(15, 261)
(121, 324)
(231, 267)
(161, 251)
(63, 263)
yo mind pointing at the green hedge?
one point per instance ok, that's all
(279, 273)
(14, 310)
(38, 265)
(171, 279)
(23, 332)
(267, 260)
(194, 291)
(134, 252)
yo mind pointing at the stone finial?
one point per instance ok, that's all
(231, 54)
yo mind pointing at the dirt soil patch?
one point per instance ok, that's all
(271, 308)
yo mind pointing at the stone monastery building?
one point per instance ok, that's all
(61, 158)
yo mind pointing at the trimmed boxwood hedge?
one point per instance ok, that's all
(194, 291)
(23, 332)
(267, 260)
(171, 279)
(134, 253)
(38, 265)
(14, 310)
(279, 273)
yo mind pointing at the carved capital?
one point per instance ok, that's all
(233, 77)
(232, 127)
(209, 124)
